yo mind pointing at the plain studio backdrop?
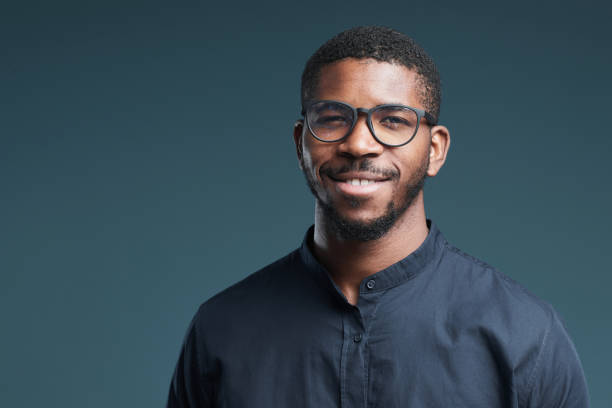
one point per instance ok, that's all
(146, 163)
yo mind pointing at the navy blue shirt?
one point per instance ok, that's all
(437, 329)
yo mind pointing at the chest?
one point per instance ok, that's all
(382, 356)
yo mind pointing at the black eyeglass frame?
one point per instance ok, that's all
(356, 111)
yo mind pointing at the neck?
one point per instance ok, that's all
(349, 262)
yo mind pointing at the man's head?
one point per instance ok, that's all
(381, 44)
(364, 68)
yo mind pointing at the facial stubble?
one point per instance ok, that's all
(355, 230)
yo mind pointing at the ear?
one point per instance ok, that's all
(298, 132)
(440, 143)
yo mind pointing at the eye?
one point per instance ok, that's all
(332, 120)
(394, 122)
(395, 118)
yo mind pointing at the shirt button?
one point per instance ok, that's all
(371, 283)
(357, 338)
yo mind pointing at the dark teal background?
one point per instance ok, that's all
(146, 163)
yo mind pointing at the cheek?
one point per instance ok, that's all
(416, 169)
(312, 159)
(307, 161)
(411, 165)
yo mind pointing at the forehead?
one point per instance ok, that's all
(367, 82)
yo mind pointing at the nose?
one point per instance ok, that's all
(360, 142)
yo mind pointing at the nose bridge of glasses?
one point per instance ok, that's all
(366, 113)
(361, 129)
(362, 110)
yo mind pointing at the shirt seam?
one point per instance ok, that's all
(467, 256)
(366, 349)
(343, 358)
(542, 305)
(531, 380)
(523, 398)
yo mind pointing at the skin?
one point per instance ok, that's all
(367, 83)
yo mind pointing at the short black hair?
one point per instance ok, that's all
(382, 44)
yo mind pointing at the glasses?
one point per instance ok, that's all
(391, 125)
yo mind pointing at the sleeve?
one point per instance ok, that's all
(191, 385)
(557, 380)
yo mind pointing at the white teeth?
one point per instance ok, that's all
(360, 182)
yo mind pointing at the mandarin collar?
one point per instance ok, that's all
(407, 268)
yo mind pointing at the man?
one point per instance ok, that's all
(376, 308)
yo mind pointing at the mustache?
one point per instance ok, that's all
(361, 166)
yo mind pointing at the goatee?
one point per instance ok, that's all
(353, 230)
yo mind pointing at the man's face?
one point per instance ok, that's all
(395, 174)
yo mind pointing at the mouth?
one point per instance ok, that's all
(364, 184)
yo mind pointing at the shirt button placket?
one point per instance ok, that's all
(353, 373)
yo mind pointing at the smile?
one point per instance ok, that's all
(357, 186)
(359, 182)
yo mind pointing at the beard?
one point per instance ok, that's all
(356, 230)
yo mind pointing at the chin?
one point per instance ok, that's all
(360, 216)
(364, 226)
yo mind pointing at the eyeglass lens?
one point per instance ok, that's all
(392, 125)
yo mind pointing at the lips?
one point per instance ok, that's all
(354, 184)
(359, 182)
(357, 178)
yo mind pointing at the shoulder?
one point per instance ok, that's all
(522, 330)
(259, 307)
(489, 292)
(256, 286)
(481, 299)
(268, 294)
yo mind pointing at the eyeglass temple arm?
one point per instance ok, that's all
(429, 118)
